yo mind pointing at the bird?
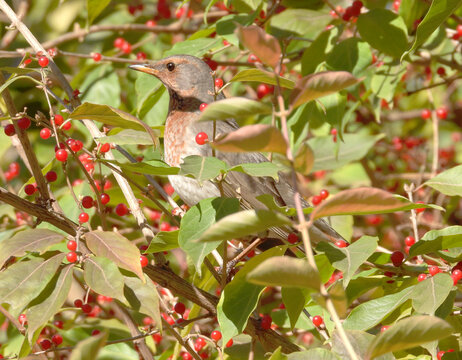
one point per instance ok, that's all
(190, 83)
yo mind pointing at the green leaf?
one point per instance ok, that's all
(94, 8)
(294, 300)
(321, 84)
(202, 168)
(196, 47)
(437, 14)
(385, 80)
(384, 30)
(434, 240)
(101, 86)
(31, 240)
(318, 50)
(240, 298)
(349, 259)
(371, 313)
(265, 46)
(17, 70)
(243, 223)
(197, 220)
(38, 315)
(360, 341)
(117, 248)
(152, 167)
(88, 349)
(277, 355)
(103, 277)
(304, 160)
(258, 137)
(262, 76)
(163, 241)
(363, 201)
(448, 182)
(107, 115)
(129, 137)
(409, 333)
(246, 5)
(313, 354)
(234, 108)
(431, 293)
(338, 296)
(329, 155)
(352, 55)
(301, 21)
(285, 271)
(258, 169)
(143, 297)
(22, 282)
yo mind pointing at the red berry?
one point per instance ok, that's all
(440, 354)
(83, 217)
(121, 209)
(433, 270)
(266, 321)
(105, 147)
(324, 194)
(442, 113)
(457, 274)
(86, 308)
(179, 308)
(24, 123)
(292, 238)
(22, 319)
(144, 261)
(96, 57)
(441, 71)
(397, 258)
(419, 210)
(211, 63)
(57, 339)
(58, 120)
(357, 4)
(229, 343)
(384, 328)
(30, 189)
(421, 277)
(355, 11)
(71, 257)
(45, 133)
(76, 146)
(87, 202)
(317, 321)
(316, 200)
(141, 55)
(409, 241)
(59, 324)
(199, 344)
(105, 198)
(45, 344)
(95, 332)
(202, 106)
(150, 23)
(218, 83)
(9, 130)
(263, 90)
(396, 4)
(72, 245)
(126, 48)
(61, 155)
(119, 42)
(89, 166)
(43, 61)
(51, 176)
(186, 356)
(253, 59)
(201, 138)
(341, 244)
(215, 335)
(67, 125)
(78, 303)
(165, 226)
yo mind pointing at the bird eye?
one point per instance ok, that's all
(170, 66)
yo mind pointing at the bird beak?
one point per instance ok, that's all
(146, 68)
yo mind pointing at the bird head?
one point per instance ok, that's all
(185, 76)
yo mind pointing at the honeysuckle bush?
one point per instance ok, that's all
(359, 100)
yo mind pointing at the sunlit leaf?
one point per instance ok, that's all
(266, 47)
(234, 108)
(317, 85)
(103, 277)
(448, 182)
(435, 240)
(163, 241)
(258, 137)
(202, 168)
(304, 159)
(262, 76)
(431, 293)
(88, 349)
(94, 8)
(117, 248)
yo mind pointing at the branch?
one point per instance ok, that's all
(40, 212)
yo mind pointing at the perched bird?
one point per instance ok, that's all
(190, 83)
